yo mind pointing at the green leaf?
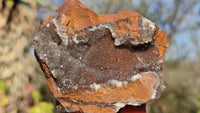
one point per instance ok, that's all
(3, 87)
(42, 107)
(36, 96)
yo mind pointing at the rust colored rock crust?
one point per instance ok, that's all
(99, 64)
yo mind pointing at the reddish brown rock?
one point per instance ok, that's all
(99, 64)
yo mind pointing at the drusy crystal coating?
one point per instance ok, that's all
(100, 63)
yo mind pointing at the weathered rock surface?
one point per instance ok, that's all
(99, 64)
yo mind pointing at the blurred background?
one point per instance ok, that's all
(23, 87)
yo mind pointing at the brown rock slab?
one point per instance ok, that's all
(99, 64)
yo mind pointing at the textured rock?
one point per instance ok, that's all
(100, 63)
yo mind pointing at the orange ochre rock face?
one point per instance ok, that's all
(100, 63)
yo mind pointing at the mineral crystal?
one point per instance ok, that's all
(99, 64)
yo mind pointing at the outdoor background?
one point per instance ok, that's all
(23, 87)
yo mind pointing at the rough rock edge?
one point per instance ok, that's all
(62, 32)
(153, 95)
(120, 105)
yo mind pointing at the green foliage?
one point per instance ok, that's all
(3, 92)
(198, 100)
(36, 96)
(3, 86)
(42, 107)
(198, 103)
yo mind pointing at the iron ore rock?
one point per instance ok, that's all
(99, 64)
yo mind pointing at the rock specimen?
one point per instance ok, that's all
(99, 64)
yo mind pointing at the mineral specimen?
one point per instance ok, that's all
(99, 64)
